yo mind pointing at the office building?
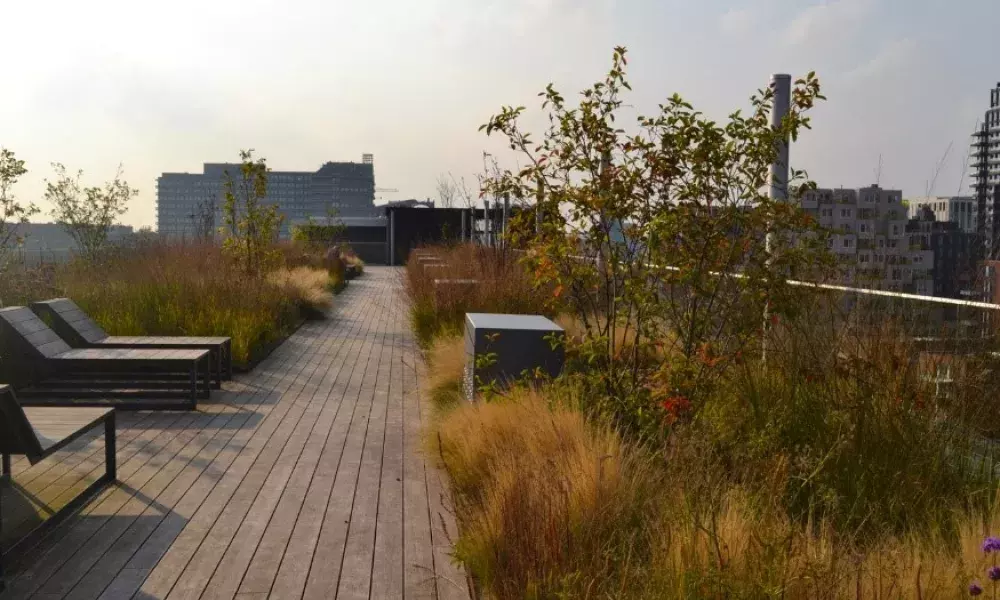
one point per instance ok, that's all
(960, 210)
(868, 228)
(985, 173)
(190, 204)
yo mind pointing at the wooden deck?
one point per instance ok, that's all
(302, 479)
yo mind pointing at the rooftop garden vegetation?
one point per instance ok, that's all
(716, 433)
(250, 287)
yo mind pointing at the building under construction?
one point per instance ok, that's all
(985, 171)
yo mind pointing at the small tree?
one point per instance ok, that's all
(203, 220)
(87, 214)
(13, 213)
(447, 191)
(656, 238)
(320, 234)
(465, 194)
(251, 227)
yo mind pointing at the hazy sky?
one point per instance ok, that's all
(165, 86)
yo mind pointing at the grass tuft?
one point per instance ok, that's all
(186, 290)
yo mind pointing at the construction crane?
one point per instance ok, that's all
(937, 170)
(878, 172)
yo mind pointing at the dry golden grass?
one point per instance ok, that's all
(178, 289)
(541, 495)
(443, 384)
(502, 286)
(308, 287)
(552, 506)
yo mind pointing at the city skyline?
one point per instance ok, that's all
(111, 82)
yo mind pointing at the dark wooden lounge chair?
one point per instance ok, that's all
(37, 433)
(76, 327)
(98, 376)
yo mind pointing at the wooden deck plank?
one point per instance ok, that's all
(282, 485)
(388, 568)
(359, 553)
(279, 451)
(297, 560)
(325, 568)
(45, 560)
(287, 545)
(118, 540)
(191, 580)
(118, 501)
(302, 479)
(246, 389)
(223, 505)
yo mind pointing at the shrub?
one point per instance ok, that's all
(551, 505)
(334, 265)
(161, 289)
(501, 286)
(716, 432)
(547, 503)
(443, 384)
(309, 288)
(662, 231)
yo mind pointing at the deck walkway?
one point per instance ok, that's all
(302, 479)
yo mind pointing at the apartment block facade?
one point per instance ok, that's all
(869, 238)
(961, 210)
(189, 204)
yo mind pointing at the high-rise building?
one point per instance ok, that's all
(190, 204)
(985, 166)
(960, 210)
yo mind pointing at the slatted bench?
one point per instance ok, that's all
(122, 377)
(80, 331)
(37, 433)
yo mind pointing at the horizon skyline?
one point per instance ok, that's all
(166, 92)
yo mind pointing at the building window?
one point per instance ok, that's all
(845, 212)
(848, 242)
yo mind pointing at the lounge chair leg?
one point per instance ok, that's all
(194, 384)
(218, 368)
(110, 448)
(6, 474)
(207, 377)
(1, 531)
